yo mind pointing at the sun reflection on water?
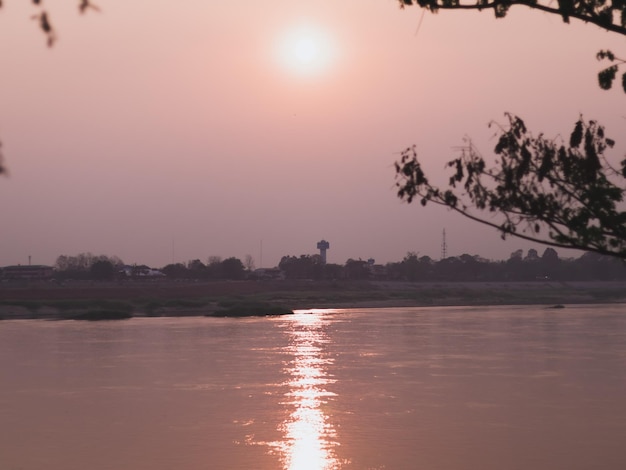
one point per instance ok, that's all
(309, 437)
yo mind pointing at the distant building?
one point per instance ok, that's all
(27, 273)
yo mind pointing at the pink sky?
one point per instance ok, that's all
(162, 131)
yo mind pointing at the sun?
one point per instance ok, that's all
(306, 50)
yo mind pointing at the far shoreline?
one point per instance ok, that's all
(175, 299)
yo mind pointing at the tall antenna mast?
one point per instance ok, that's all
(444, 246)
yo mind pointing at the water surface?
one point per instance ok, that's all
(404, 388)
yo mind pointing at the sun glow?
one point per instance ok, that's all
(306, 51)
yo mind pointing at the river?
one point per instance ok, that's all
(485, 388)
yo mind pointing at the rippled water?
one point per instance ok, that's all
(403, 388)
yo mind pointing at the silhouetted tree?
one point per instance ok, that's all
(597, 267)
(214, 267)
(550, 265)
(414, 268)
(103, 270)
(298, 267)
(567, 191)
(410, 267)
(232, 268)
(248, 262)
(81, 266)
(356, 270)
(309, 267)
(331, 271)
(176, 271)
(550, 256)
(197, 269)
(570, 193)
(532, 255)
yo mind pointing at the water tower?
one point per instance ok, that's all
(323, 246)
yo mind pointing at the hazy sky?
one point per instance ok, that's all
(162, 130)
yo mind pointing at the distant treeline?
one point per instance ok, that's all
(87, 266)
(413, 268)
(548, 266)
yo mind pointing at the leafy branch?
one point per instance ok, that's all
(607, 14)
(564, 195)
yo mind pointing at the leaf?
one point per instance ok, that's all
(606, 77)
(518, 127)
(501, 9)
(450, 199)
(605, 16)
(601, 55)
(577, 135)
(566, 8)
(546, 164)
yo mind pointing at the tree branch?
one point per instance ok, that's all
(568, 191)
(590, 17)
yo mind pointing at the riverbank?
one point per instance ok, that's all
(73, 299)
